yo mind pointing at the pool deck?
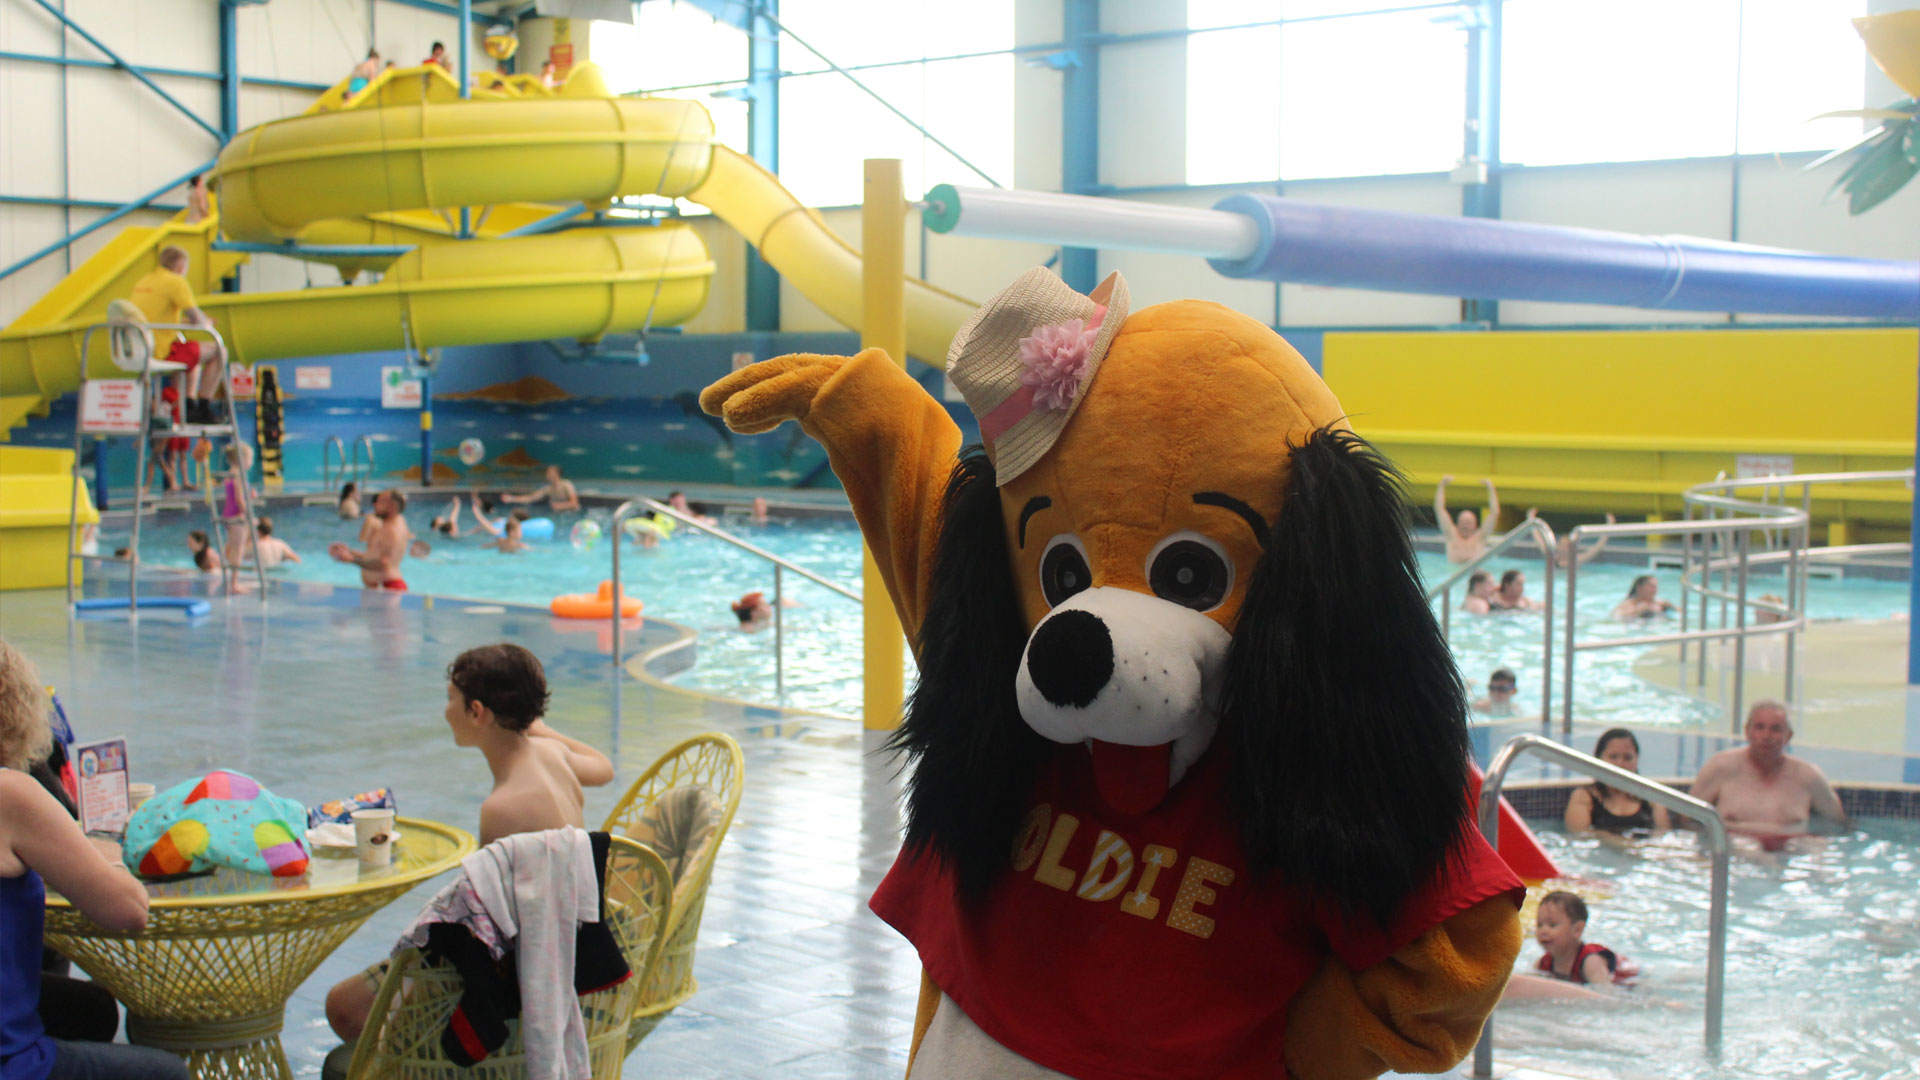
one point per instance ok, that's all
(321, 691)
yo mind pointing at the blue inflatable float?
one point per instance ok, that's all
(192, 605)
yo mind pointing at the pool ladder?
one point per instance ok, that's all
(352, 469)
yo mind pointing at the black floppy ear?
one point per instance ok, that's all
(975, 759)
(1341, 704)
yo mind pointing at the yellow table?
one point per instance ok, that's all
(210, 976)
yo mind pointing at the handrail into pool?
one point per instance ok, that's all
(1633, 784)
(367, 442)
(1542, 534)
(326, 460)
(631, 506)
(1723, 531)
(1716, 496)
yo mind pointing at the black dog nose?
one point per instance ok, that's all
(1070, 658)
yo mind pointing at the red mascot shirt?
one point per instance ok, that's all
(1135, 946)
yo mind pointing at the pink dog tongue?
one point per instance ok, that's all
(1132, 779)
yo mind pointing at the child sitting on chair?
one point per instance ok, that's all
(496, 695)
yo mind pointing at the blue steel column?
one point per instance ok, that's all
(763, 145)
(1483, 133)
(1080, 128)
(229, 69)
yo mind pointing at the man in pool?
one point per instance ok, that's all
(386, 545)
(558, 491)
(269, 549)
(1761, 791)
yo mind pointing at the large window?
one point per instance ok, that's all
(1627, 80)
(828, 125)
(673, 44)
(1338, 94)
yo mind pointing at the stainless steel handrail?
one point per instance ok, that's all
(631, 506)
(1633, 784)
(326, 458)
(1716, 497)
(359, 476)
(1741, 564)
(1542, 534)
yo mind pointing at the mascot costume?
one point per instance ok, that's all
(1189, 796)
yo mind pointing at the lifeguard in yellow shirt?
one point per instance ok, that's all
(164, 296)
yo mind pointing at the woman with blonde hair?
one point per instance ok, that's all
(40, 846)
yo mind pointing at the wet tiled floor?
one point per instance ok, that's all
(322, 692)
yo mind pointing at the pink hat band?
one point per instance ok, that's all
(1053, 360)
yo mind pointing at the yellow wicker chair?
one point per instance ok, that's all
(712, 761)
(402, 1040)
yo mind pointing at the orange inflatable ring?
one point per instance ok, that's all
(599, 606)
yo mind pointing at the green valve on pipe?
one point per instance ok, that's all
(943, 208)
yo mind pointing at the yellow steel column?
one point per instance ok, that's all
(883, 325)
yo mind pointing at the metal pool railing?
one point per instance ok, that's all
(1633, 784)
(632, 506)
(1717, 561)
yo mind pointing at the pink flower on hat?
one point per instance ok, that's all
(1053, 359)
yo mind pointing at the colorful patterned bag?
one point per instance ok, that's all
(340, 811)
(222, 819)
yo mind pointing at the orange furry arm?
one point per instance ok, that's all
(890, 443)
(1420, 1010)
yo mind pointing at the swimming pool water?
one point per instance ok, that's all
(1822, 975)
(692, 579)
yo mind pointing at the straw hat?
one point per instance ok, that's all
(1025, 360)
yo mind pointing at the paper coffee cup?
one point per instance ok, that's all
(373, 837)
(137, 794)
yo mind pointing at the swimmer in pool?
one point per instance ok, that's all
(1760, 790)
(558, 491)
(1643, 600)
(505, 532)
(204, 556)
(448, 524)
(1479, 599)
(269, 549)
(509, 542)
(678, 501)
(753, 611)
(1466, 536)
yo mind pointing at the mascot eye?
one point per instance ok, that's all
(1063, 570)
(1190, 570)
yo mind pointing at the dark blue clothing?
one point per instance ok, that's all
(26, 1053)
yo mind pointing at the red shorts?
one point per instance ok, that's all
(394, 585)
(185, 352)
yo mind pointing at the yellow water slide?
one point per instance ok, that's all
(395, 164)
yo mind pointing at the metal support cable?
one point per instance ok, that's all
(109, 219)
(217, 134)
(888, 105)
